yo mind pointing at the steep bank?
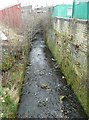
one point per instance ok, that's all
(14, 53)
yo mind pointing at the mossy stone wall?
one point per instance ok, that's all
(68, 41)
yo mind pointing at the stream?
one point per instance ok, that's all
(45, 93)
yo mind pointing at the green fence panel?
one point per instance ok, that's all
(61, 11)
(81, 10)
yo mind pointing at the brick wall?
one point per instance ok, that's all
(68, 39)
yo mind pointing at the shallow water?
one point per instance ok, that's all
(45, 93)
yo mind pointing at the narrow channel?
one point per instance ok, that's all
(45, 93)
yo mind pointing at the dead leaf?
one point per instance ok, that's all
(44, 86)
(53, 59)
(62, 97)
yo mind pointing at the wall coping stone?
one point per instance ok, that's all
(71, 19)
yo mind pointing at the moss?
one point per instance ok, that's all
(13, 64)
(14, 85)
(81, 93)
(7, 62)
(8, 105)
(22, 68)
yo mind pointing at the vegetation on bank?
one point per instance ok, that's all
(14, 58)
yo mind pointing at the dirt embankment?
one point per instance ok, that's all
(13, 59)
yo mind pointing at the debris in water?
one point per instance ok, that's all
(29, 92)
(59, 85)
(62, 111)
(63, 77)
(41, 74)
(49, 73)
(53, 59)
(28, 64)
(27, 67)
(62, 97)
(46, 99)
(44, 86)
(41, 103)
(28, 72)
(56, 66)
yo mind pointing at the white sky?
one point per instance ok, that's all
(44, 2)
(6, 3)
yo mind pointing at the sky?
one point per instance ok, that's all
(34, 3)
(45, 2)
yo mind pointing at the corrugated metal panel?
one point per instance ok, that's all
(11, 16)
(64, 11)
(88, 10)
(81, 10)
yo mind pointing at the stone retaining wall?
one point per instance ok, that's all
(68, 40)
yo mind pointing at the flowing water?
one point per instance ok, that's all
(45, 93)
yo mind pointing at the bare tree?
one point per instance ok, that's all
(36, 22)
